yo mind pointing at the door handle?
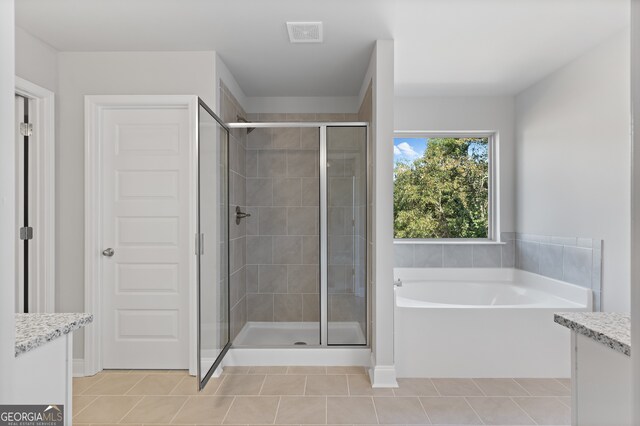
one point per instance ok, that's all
(108, 252)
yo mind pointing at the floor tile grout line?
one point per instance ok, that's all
(104, 376)
(228, 409)
(130, 410)
(180, 409)
(375, 409)
(346, 376)
(134, 385)
(223, 379)
(177, 384)
(275, 417)
(523, 388)
(424, 409)
(264, 379)
(90, 386)
(562, 384)
(474, 410)
(85, 407)
(436, 387)
(326, 409)
(523, 410)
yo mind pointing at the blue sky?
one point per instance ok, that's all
(408, 149)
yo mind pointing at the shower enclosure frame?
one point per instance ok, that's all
(324, 231)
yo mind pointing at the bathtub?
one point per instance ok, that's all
(482, 323)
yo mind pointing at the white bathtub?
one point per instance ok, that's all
(482, 323)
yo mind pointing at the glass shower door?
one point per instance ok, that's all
(347, 235)
(212, 243)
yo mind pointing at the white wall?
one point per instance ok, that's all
(224, 74)
(7, 199)
(36, 61)
(635, 196)
(380, 72)
(469, 113)
(108, 73)
(326, 104)
(573, 166)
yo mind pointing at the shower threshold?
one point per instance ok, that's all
(296, 334)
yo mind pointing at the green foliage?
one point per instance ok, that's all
(444, 193)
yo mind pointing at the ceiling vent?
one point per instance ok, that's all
(305, 32)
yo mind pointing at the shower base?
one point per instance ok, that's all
(296, 334)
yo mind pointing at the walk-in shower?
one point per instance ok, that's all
(305, 260)
(287, 203)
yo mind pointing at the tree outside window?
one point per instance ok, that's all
(441, 187)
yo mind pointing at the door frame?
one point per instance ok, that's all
(94, 106)
(43, 210)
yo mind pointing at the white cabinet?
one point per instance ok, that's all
(601, 384)
(43, 375)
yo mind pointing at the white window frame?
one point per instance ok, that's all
(494, 187)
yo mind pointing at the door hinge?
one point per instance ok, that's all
(199, 244)
(26, 233)
(26, 129)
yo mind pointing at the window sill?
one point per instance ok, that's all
(448, 241)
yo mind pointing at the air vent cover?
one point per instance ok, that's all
(305, 32)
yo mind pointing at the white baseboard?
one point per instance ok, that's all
(383, 376)
(78, 367)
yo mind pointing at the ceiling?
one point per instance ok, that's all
(442, 47)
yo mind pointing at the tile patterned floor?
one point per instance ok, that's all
(313, 396)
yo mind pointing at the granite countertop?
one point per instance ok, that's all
(34, 330)
(610, 329)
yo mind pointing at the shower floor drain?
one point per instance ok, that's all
(300, 343)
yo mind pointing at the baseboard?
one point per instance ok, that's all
(78, 367)
(383, 376)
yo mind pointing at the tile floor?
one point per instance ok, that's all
(313, 396)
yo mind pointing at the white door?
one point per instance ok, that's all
(145, 210)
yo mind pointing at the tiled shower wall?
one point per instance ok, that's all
(282, 233)
(574, 260)
(230, 109)
(282, 170)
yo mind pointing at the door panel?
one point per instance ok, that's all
(347, 235)
(213, 229)
(146, 221)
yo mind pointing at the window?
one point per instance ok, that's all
(442, 186)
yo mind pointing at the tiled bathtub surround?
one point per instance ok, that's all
(452, 255)
(574, 260)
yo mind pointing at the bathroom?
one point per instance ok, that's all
(291, 160)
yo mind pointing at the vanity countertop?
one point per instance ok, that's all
(34, 330)
(609, 328)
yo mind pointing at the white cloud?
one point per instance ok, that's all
(405, 150)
